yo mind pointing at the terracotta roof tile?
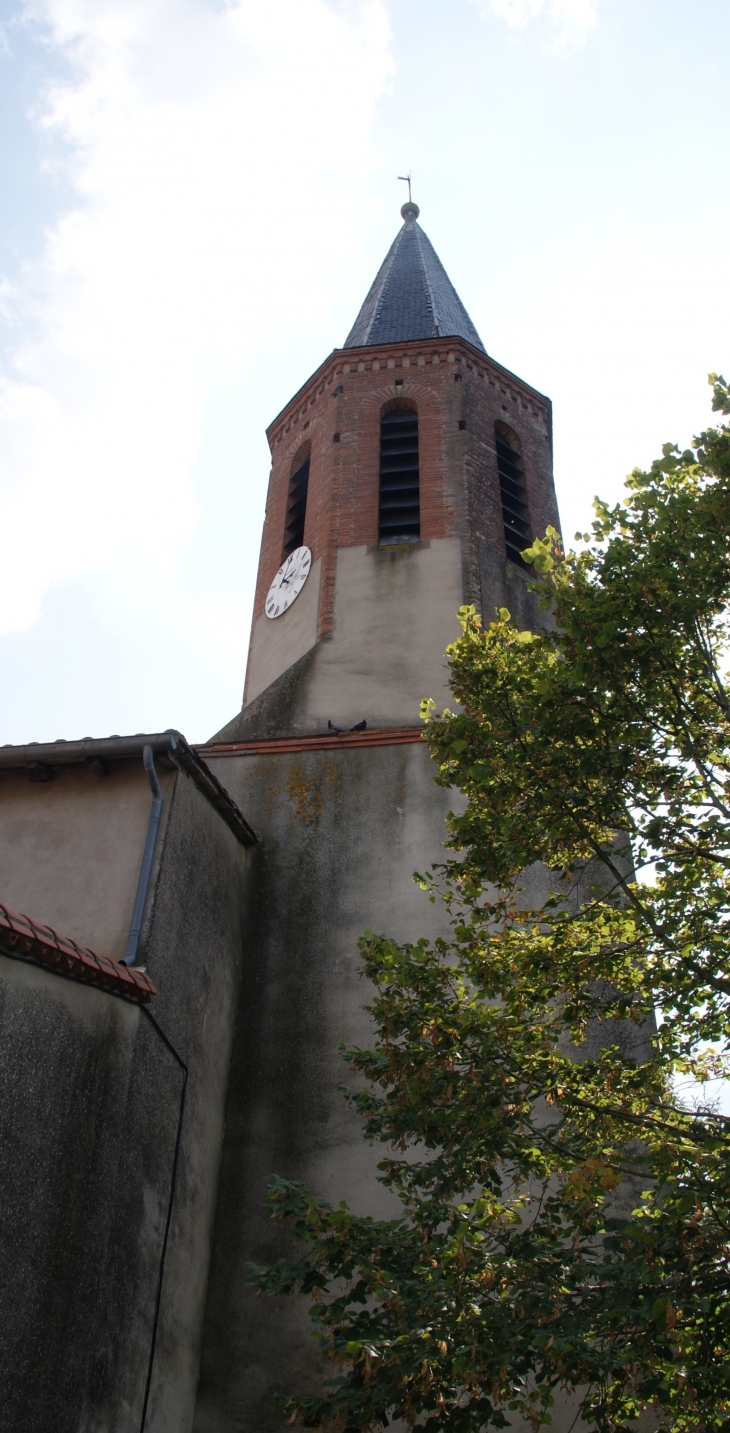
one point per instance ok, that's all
(41, 945)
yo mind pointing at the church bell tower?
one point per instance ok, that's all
(408, 473)
(414, 468)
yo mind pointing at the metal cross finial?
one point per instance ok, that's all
(407, 180)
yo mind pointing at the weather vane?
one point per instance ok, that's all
(407, 180)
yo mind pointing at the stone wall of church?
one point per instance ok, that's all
(90, 1101)
(341, 833)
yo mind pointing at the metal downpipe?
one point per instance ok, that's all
(135, 929)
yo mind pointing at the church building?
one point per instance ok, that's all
(174, 994)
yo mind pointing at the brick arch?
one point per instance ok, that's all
(508, 435)
(392, 404)
(303, 452)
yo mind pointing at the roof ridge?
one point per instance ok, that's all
(427, 281)
(389, 263)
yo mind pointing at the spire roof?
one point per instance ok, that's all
(412, 296)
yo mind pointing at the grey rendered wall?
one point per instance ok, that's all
(70, 848)
(277, 644)
(89, 1105)
(340, 836)
(84, 1178)
(395, 613)
(506, 585)
(75, 1138)
(194, 957)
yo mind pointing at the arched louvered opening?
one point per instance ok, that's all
(399, 514)
(515, 511)
(296, 507)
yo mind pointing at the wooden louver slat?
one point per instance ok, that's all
(296, 509)
(400, 504)
(515, 511)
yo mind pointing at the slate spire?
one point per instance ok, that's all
(412, 296)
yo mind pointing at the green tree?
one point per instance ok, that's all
(565, 1214)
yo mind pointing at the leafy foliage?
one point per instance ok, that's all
(565, 1215)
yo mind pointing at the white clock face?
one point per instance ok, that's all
(288, 582)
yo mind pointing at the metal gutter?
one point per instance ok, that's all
(39, 759)
(135, 929)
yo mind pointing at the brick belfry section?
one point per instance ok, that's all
(345, 819)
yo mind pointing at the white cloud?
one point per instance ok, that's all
(570, 20)
(215, 149)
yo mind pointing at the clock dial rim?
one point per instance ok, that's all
(298, 578)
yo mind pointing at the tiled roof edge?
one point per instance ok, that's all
(41, 945)
(214, 792)
(39, 758)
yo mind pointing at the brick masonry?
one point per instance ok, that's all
(335, 418)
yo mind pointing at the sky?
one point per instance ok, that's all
(195, 196)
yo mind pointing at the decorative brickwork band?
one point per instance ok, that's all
(41, 945)
(280, 746)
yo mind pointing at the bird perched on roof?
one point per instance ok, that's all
(361, 726)
(331, 727)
